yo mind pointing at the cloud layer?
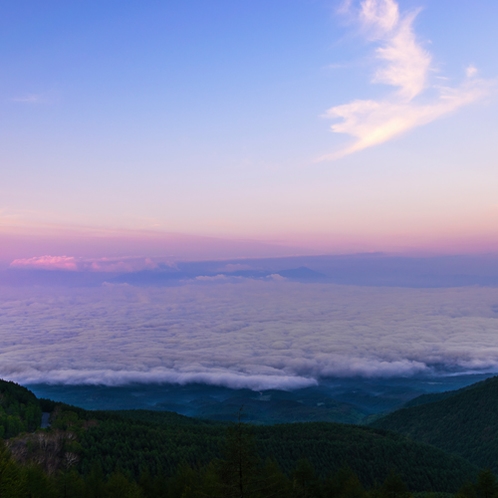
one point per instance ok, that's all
(251, 334)
(401, 62)
(71, 263)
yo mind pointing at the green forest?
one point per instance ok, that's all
(463, 422)
(161, 454)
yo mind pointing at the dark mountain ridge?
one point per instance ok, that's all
(463, 422)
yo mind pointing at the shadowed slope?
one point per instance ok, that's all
(465, 423)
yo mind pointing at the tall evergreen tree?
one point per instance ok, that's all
(238, 468)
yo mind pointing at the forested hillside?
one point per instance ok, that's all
(19, 410)
(91, 454)
(371, 454)
(464, 422)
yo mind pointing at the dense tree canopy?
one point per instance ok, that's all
(159, 454)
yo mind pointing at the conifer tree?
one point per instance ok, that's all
(238, 468)
(486, 486)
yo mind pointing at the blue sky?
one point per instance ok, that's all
(208, 118)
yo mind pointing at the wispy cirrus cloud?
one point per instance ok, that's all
(404, 64)
(30, 98)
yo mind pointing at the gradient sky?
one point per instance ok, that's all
(132, 128)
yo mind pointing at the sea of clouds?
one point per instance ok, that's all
(254, 334)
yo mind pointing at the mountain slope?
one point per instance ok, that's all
(371, 454)
(465, 423)
(19, 410)
(155, 442)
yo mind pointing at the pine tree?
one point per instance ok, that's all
(238, 469)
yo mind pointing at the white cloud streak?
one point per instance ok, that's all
(29, 99)
(71, 263)
(405, 65)
(252, 334)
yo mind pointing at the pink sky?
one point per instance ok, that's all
(79, 248)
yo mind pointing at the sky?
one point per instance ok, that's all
(197, 130)
(139, 136)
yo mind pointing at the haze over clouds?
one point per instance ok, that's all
(403, 63)
(252, 334)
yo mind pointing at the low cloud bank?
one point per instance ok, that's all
(110, 377)
(71, 263)
(252, 334)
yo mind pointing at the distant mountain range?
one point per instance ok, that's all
(345, 400)
(356, 269)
